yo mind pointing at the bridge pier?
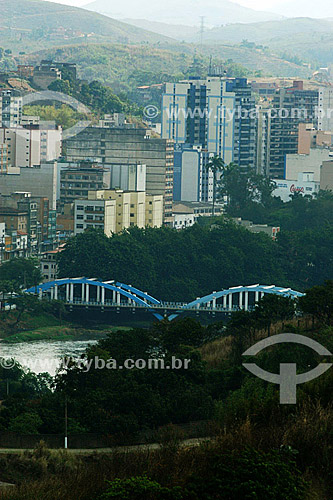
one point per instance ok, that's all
(214, 301)
(246, 301)
(240, 303)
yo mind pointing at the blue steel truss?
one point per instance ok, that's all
(124, 290)
(149, 302)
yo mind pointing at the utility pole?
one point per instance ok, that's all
(66, 424)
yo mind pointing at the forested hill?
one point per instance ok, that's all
(126, 66)
(32, 24)
(182, 265)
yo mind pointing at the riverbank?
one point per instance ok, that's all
(48, 327)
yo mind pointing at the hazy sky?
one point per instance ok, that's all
(254, 4)
(293, 8)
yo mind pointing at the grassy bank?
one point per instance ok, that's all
(47, 327)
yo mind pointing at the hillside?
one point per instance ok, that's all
(270, 30)
(265, 61)
(187, 12)
(126, 66)
(28, 25)
(309, 39)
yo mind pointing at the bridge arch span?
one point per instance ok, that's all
(238, 298)
(121, 293)
(90, 291)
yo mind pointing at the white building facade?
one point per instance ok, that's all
(305, 185)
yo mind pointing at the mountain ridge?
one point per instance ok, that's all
(186, 12)
(25, 23)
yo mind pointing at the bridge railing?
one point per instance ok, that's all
(161, 306)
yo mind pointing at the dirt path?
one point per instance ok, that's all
(124, 449)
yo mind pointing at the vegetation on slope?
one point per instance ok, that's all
(28, 24)
(258, 448)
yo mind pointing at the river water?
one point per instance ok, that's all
(44, 355)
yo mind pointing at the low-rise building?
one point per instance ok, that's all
(98, 214)
(14, 219)
(185, 214)
(305, 185)
(116, 210)
(299, 163)
(271, 231)
(49, 265)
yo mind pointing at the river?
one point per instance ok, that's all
(43, 355)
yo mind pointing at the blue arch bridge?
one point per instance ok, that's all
(111, 295)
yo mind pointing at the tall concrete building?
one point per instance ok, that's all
(77, 181)
(31, 145)
(325, 109)
(10, 108)
(124, 146)
(3, 158)
(291, 106)
(214, 113)
(192, 181)
(40, 181)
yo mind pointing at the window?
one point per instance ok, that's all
(79, 226)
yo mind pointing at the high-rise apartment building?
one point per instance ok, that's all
(31, 145)
(10, 108)
(3, 158)
(290, 107)
(77, 181)
(325, 109)
(216, 113)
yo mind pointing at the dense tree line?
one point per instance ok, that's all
(183, 265)
(251, 196)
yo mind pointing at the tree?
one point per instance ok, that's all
(7, 287)
(272, 308)
(216, 164)
(245, 190)
(26, 423)
(318, 301)
(22, 273)
(234, 185)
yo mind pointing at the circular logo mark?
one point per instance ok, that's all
(150, 111)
